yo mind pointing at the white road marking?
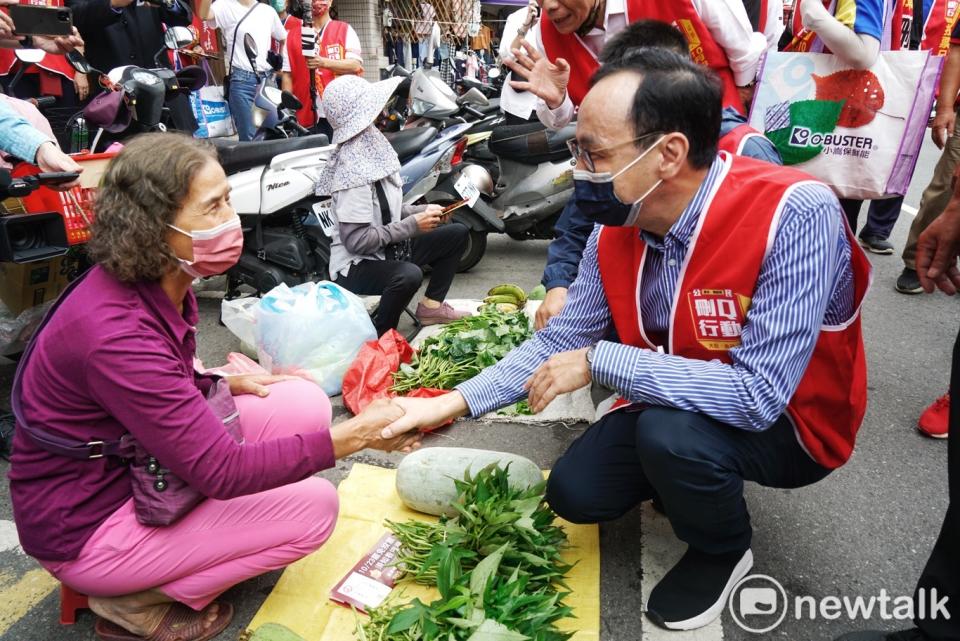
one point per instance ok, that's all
(8, 537)
(659, 551)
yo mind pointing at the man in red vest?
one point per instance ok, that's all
(734, 288)
(573, 229)
(562, 51)
(338, 53)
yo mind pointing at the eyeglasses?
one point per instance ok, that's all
(579, 153)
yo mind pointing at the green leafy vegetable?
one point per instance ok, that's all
(496, 565)
(462, 349)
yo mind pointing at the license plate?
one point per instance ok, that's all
(468, 190)
(323, 210)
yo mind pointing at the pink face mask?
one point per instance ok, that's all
(214, 250)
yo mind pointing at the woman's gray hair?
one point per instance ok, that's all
(141, 192)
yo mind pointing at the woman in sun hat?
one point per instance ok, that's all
(373, 224)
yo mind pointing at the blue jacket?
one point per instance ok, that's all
(573, 228)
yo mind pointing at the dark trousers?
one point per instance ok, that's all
(943, 568)
(396, 282)
(881, 216)
(696, 465)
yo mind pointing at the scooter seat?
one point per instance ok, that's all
(408, 142)
(236, 156)
(532, 144)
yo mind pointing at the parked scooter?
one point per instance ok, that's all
(272, 187)
(135, 102)
(274, 111)
(426, 155)
(287, 227)
(525, 199)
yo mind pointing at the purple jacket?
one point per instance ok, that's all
(117, 358)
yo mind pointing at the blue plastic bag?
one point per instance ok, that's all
(313, 330)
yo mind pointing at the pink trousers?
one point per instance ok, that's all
(219, 543)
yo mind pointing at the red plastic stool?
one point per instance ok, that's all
(70, 602)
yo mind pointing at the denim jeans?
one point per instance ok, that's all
(243, 87)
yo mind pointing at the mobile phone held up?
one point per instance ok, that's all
(457, 205)
(35, 20)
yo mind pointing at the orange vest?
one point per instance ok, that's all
(712, 301)
(679, 13)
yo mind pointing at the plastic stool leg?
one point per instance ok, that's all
(70, 602)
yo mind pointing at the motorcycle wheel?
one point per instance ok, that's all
(476, 247)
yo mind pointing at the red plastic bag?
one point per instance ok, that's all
(370, 375)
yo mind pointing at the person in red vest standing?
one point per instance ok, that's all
(561, 53)
(573, 228)
(734, 288)
(338, 54)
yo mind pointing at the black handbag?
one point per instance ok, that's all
(403, 250)
(233, 47)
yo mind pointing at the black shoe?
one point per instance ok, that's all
(876, 245)
(909, 282)
(875, 635)
(695, 591)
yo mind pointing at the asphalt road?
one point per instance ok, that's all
(868, 527)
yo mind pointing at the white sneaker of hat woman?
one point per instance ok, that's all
(368, 254)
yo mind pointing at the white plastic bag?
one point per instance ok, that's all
(240, 317)
(313, 330)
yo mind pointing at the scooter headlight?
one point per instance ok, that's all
(259, 115)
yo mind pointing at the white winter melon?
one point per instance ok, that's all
(425, 477)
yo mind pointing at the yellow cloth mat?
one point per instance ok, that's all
(301, 598)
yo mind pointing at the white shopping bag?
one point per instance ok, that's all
(859, 131)
(212, 113)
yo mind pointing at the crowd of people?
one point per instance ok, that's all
(733, 340)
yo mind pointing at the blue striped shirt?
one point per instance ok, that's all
(805, 282)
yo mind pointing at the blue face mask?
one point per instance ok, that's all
(598, 201)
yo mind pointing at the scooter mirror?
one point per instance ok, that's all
(289, 101)
(177, 37)
(29, 55)
(78, 62)
(250, 47)
(473, 97)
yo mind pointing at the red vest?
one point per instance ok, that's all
(901, 25)
(679, 13)
(712, 301)
(333, 44)
(736, 138)
(939, 25)
(299, 72)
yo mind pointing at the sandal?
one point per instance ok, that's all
(180, 623)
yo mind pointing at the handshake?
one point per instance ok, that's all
(395, 425)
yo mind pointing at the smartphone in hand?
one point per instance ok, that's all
(35, 20)
(449, 209)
